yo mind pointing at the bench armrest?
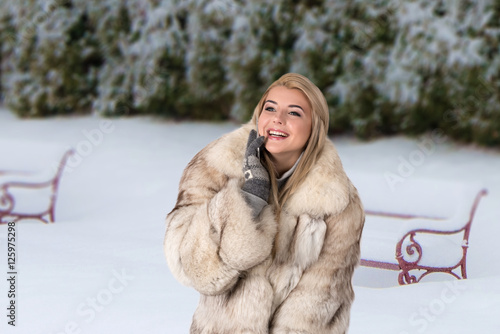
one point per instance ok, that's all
(455, 224)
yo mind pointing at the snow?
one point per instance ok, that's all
(100, 268)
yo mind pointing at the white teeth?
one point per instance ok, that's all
(279, 134)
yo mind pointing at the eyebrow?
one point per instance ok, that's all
(290, 106)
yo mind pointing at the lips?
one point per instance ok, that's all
(277, 134)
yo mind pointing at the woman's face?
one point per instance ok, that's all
(285, 121)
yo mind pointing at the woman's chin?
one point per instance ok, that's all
(272, 149)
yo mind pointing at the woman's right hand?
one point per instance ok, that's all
(257, 182)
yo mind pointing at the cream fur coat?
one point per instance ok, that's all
(213, 245)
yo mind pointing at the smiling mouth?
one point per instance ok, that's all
(280, 134)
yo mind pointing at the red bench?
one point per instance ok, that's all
(30, 173)
(417, 227)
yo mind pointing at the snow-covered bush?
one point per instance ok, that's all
(55, 59)
(169, 62)
(405, 66)
(437, 73)
(146, 74)
(209, 25)
(385, 66)
(342, 46)
(258, 52)
(113, 25)
(7, 38)
(155, 59)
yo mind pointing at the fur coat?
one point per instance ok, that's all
(264, 276)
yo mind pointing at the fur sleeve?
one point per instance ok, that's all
(211, 237)
(321, 301)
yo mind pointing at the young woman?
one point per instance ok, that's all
(267, 225)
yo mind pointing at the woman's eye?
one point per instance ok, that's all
(269, 109)
(294, 113)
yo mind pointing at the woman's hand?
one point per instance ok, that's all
(257, 184)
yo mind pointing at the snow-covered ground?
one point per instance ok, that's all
(100, 268)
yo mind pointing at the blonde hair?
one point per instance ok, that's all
(314, 145)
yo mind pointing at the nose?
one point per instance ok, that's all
(278, 118)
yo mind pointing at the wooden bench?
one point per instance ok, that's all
(30, 173)
(417, 227)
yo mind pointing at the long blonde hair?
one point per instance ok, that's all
(314, 145)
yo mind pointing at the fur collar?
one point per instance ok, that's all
(324, 192)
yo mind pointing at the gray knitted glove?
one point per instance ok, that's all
(257, 185)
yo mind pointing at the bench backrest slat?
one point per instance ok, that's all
(30, 156)
(426, 198)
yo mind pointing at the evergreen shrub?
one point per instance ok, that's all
(385, 66)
